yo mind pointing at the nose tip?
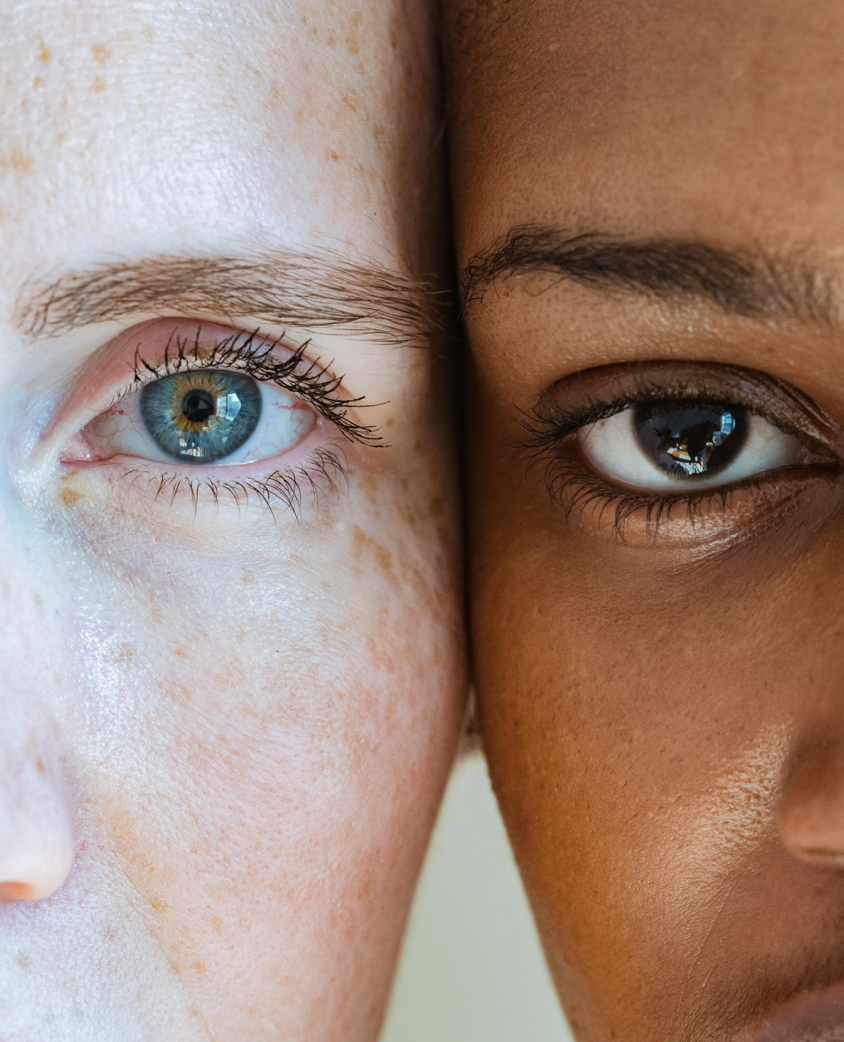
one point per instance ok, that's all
(36, 841)
(812, 808)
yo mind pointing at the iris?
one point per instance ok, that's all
(203, 415)
(688, 439)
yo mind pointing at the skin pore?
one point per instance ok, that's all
(232, 687)
(650, 217)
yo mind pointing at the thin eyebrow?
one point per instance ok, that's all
(746, 282)
(311, 291)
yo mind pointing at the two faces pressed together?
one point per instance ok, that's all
(233, 652)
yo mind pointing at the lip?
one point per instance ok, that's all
(811, 1017)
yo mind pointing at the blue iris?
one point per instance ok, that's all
(203, 415)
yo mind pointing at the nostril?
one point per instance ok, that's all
(812, 805)
(36, 837)
(10, 892)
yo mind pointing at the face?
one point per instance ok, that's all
(231, 653)
(650, 219)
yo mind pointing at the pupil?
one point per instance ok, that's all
(198, 405)
(690, 439)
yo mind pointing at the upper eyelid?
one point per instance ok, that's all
(306, 378)
(106, 377)
(786, 407)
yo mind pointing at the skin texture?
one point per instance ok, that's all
(661, 703)
(227, 724)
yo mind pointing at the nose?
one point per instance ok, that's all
(812, 808)
(36, 840)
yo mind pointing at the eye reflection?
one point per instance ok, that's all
(689, 439)
(201, 416)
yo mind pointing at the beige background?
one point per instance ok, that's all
(472, 968)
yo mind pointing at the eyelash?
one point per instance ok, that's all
(251, 354)
(575, 490)
(248, 353)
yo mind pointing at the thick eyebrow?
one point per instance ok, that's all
(746, 282)
(310, 291)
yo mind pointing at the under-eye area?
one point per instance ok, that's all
(209, 414)
(659, 450)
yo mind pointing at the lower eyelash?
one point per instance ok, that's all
(576, 491)
(324, 474)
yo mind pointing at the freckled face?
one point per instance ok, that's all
(232, 678)
(650, 196)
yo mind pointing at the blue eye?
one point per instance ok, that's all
(201, 416)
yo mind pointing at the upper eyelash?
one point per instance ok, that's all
(253, 355)
(544, 429)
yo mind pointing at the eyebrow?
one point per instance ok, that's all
(746, 282)
(308, 290)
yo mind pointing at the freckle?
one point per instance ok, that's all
(331, 155)
(39, 602)
(43, 52)
(356, 20)
(217, 924)
(38, 82)
(189, 54)
(158, 905)
(324, 585)
(248, 577)
(299, 117)
(389, 423)
(352, 46)
(180, 653)
(39, 766)
(332, 40)
(148, 32)
(179, 694)
(377, 131)
(69, 496)
(100, 52)
(199, 967)
(20, 163)
(98, 86)
(24, 962)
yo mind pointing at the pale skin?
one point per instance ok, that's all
(229, 708)
(650, 195)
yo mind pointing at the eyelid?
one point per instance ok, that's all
(594, 394)
(109, 374)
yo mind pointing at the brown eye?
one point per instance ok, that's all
(688, 439)
(668, 445)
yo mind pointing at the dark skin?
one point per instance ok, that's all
(652, 194)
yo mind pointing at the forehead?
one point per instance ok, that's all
(670, 117)
(138, 125)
